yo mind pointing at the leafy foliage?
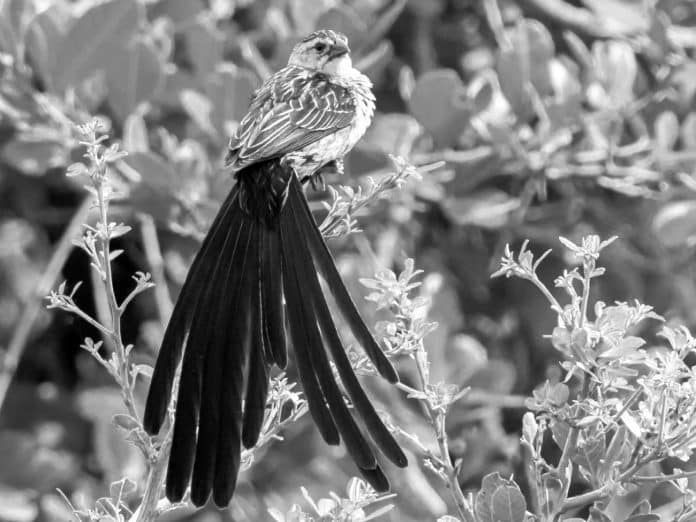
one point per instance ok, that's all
(500, 125)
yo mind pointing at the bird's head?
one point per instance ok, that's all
(325, 51)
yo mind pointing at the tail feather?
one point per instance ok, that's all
(257, 378)
(297, 270)
(327, 267)
(272, 297)
(256, 265)
(231, 389)
(298, 333)
(378, 431)
(180, 321)
(376, 478)
(228, 283)
(198, 349)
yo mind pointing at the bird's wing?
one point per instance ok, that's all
(292, 109)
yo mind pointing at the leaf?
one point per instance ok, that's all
(508, 504)
(34, 155)
(617, 68)
(482, 505)
(597, 515)
(439, 103)
(530, 428)
(632, 424)
(620, 17)
(94, 40)
(135, 137)
(180, 12)
(305, 13)
(559, 431)
(204, 45)
(688, 131)
(125, 421)
(43, 38)
(344, 19)
(675, 223)
(229, 89)
(489, 208)
(579, 51)
(564, 108)
(625, 347)
(666, 131)
(200, 110)
(133, 77)
(122, 489)
(154, 170)
(176, 80)
(648, 517)
(116, 457)
(27, 464)
(523, 64)
(643, 508)
(532, 36)
(617, 451)
(143, 369)
(374, 63)
(551, 495)
(589, 454)
(394, 133)
(14, 16)
(17, 505)
(385, 20)
(154, 194)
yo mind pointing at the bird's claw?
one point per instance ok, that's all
(317, 179)
(333, 167)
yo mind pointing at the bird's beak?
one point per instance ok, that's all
(338, 49)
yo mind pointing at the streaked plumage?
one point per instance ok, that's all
(258, 265)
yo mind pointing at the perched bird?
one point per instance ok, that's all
(256, 273)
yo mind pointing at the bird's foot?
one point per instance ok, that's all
(316, 180)
(333, 167)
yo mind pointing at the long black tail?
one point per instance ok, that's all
(258, 263)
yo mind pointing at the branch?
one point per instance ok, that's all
(586, 498)
(664, 478)
(147, 511)
(437, 421)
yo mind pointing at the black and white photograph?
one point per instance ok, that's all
(347, 260)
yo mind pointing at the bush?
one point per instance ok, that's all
(500, 125)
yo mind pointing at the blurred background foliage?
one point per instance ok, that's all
(552, 118)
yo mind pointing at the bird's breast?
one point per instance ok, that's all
(337, 144)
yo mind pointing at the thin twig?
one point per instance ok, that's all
(153, 254)
(664, 478)
(253, 57)
(572, 439)
(147, 511)
(114, 309)
(437, 421)
(586, 498)
(31, 310)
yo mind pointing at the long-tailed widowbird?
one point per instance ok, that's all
(256, 272)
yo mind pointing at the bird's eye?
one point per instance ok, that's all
(320, 47)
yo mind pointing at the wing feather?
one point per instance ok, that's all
(293, 108)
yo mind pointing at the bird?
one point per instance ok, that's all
(253, 288)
